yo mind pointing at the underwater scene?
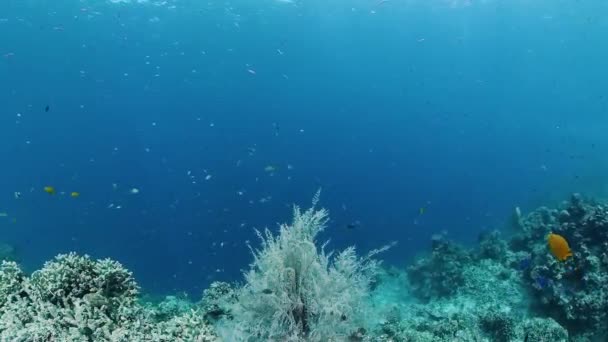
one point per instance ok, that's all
(303, 170)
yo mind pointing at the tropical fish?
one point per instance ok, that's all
(3, 214)
(49, 190)
(558, 247)
(353, 225)
(270, 168)
(74, 194)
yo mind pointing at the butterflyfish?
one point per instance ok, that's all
(49, 190)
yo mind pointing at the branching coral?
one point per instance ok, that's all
(75, 298)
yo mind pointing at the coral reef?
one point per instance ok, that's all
(574, 292)
(490, 304)
(515, 288)
(75, 298)
(217, 300)
(507, 289)
(440, 274)
(294, 291)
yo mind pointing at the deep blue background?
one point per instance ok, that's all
(464, 110)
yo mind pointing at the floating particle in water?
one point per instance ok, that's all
(134, 191)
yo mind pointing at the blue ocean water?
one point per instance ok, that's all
(184, 125)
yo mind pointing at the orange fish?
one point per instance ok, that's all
(559, 247)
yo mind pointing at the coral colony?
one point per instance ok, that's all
(506, 289)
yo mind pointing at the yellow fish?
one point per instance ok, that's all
(559, 247)
(74, 194)
(49, 190)
(422, 210)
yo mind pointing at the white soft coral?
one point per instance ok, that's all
(295, 291)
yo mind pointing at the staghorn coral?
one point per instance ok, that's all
(11, 280)
(74, 298)
(74, 276)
